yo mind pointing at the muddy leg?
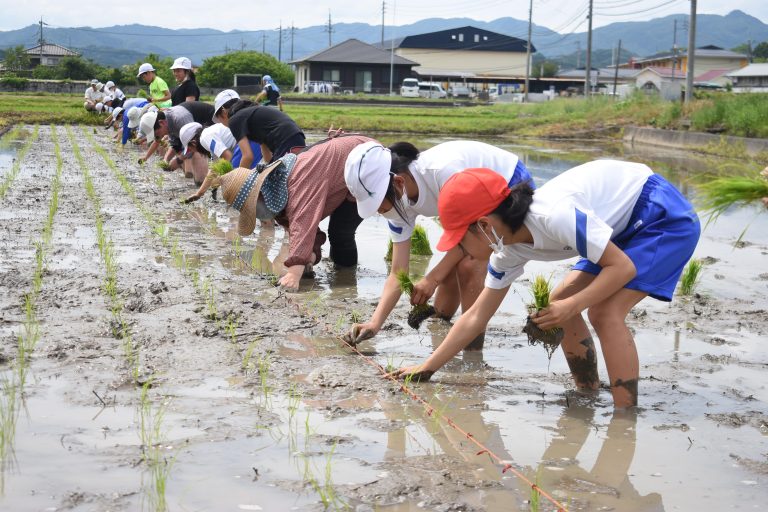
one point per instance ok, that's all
(577, 344)
(619, 350)
(471, 275)
(447, 297)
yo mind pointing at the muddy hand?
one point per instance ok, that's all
(555, 314)
(358, 333)
(191, 199)
(415, 373)
(289, 283)
(423, 291)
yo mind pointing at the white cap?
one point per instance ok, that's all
(187, 132)
(107, 98)
(116, 112)
(182, 63)
(366, 172)
(134, 117)
(144, 68)
(147, 126)
(221, 98)
(110, 84)
(94, 81)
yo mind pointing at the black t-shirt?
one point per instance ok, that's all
(201, 112)
(265, 125)
(272, 95)
(185, 88)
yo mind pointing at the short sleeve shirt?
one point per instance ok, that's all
(575, 214)
(264, 125)
(217, 139)
(157, 90)
(185, 89)
(435, 166)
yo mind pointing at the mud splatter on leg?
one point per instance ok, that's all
(584, 366)
(624, 393)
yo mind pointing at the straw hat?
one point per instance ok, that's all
(241, 188)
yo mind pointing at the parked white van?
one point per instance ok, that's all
(410, 88)
(431, 90)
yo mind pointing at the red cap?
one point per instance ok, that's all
(465, 197)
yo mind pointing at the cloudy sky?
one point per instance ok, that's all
(560, 15)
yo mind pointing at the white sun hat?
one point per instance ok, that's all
(147, 126)
(366, 173)
(222, 98)
(144, 68)
(182, 63)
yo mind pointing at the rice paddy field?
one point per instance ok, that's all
(147, 362)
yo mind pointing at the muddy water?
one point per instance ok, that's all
(272, 414)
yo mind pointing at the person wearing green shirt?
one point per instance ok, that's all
(159, 94)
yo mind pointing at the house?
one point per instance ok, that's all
(753, 78)
(48, 54)
(464, 53)
(707, 58)
(714, 78)
(667, 82)
(352, 66)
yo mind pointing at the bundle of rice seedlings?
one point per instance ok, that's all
(690, 277)
(420, 242)
(141, 93)
(549, 339)
(419, 312)
(164, 165)
(721, 193)
(221, 166)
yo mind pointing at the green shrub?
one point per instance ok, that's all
(15, 82)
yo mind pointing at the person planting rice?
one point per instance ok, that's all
(277, 133)
(214, 140)
(300, 191)
(270, 94)
(401, 184)
(633, 230)
(155, 125)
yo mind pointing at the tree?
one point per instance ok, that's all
(220, 71)
(78, 68)
(162, 69)
(16, 58)
(761, 51)
(545, 69)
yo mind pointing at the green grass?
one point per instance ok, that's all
(690, 277)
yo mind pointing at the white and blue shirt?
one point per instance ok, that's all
(575, 214)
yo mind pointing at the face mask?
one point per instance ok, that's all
(498, 246)
(392, 213)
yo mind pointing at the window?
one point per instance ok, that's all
(477, 38)
(363, 81)
(485, 38)
(461, 37)
(453, 36)
(331, 75)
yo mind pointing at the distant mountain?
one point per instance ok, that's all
(125, 44)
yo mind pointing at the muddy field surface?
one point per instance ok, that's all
(171, 373)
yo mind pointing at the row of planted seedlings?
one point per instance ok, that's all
(9, 178)
(12, 383)
(150, 418)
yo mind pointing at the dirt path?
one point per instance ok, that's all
(220, 393)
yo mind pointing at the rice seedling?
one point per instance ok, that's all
(419, 312)
(9, 414)
(246, 364)
(391, 365)
(162, 164)
(690, 277)
(390, 248)
(159, 181)
(231, 328)
(263, 368)
(152, 439)
(355, 316)
(420, 242)
(549, 339)
(16, 167)
(721, 193)
(221, 166)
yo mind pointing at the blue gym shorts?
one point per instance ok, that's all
(660, 238)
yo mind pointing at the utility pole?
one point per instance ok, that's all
(578, 54)
(528, 52)
(280, 42)
(329, 29)
(42, 41)
(383, 10)
(674, 49)
(587, 84)
(242, 45)
(263, 42)
(293, 31)
(691, 54)
(616, 71)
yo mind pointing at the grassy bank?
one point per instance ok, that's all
(568, 117)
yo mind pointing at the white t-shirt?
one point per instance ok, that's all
(95, 96)
(576, 213)
(117, 94)
(433, 168)
(217, 139)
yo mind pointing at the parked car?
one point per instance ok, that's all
(431, 90)
(410, 88)
(460, 91)
(493, 93)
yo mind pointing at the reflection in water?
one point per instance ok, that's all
(606, 486)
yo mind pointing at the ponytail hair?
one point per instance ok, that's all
(403, 153)
(513, 209)
(239, 105)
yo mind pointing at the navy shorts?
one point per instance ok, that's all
(660, 238)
